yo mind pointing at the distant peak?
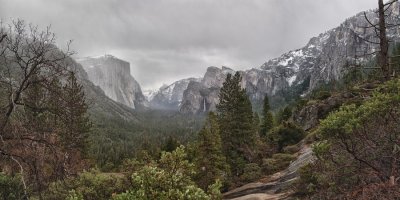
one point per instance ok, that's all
(105, 56)
(109, 56)
(227, 70)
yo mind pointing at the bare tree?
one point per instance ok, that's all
(380, 29)
(36, 86)
(2, 37)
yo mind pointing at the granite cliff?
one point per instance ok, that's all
(113, 76)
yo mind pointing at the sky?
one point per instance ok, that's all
(168, 40)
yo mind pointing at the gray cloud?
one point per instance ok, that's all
(168, 40)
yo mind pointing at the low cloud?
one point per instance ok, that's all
(168, 40)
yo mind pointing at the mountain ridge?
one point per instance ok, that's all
(325, 58)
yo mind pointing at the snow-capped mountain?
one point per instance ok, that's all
(169, 97)
(149, 94)
(113, 76)
(323, 59)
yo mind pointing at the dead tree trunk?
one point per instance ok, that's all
(381, 28)
(2, 37)
(383, 42)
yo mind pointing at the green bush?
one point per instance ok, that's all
(286, 134)
(291, 149)
(322, 95)
(308, 181)
(90, 185)
(10, 187)
(251, 172)
(283, 115)
(170, 178)
(278, 162)
(358, 150)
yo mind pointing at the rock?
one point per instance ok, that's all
(276, 186)
(261, 196)
(202, 96)
(169, 97)
(323, 59)
(113, 76)
(309, 116)
(193, 100)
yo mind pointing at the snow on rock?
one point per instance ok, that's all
(169, 97)
(149, 94)
(291, 80)
(323, 59)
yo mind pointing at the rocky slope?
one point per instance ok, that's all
(276, 186)
(323, 59)
(113, 76)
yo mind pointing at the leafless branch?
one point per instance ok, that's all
(390, 3)
(369, 22)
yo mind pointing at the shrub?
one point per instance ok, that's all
(278, 162)
(251, 172)
(169, 179)
(359, 150)
(90, 185)
(291, 149)
(308, 181)
(322, 95)
(286, 134)
(10, 187)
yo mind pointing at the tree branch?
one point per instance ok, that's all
(2, 37)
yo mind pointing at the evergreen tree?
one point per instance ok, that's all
(236, 122)
(395, 59)
(268, 119)
(284, 115)
(170, 144)
(256, 123)
(210, 161)
(75, 118)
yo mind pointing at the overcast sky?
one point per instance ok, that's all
(167, 40)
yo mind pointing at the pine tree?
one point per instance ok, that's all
(210, 162)
(268, 119)
(284, 115)
(75, 119)
(256, 123)
(236, 122)
(170, 144)
(395, 59)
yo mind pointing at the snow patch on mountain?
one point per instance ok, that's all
(169, 97)
(323, 59)
(291, 80)
(149, 94)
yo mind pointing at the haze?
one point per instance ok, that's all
(169, 40)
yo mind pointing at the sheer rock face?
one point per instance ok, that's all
(203, 96)
(169, 97)
(215, 77)
(324, 59)
(101, 107)
(113, 76)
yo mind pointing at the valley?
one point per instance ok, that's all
(317, 122)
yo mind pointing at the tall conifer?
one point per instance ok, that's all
(236, 122)
(210, 161)
(268, 119)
